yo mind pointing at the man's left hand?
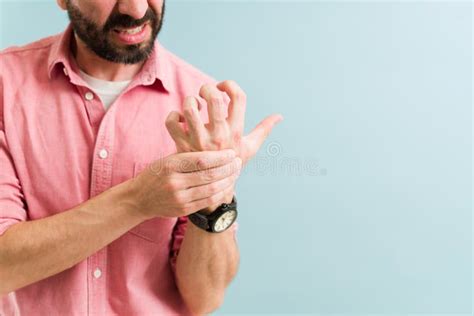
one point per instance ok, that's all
(226, 123)
(225, 127)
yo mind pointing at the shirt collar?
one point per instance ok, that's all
(157, 66)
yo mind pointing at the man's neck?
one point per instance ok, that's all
(100, 68)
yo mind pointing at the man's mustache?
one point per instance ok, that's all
(126, 21)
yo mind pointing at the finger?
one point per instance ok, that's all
(215, 199)
(209, 189)
(237, 104)
(203, 177)
(216, 107)
(200, 160)
(202, 107)
(197, 129)
(176, 129)
(258, 135)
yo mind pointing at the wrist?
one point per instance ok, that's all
(210, 209)
(124, 197)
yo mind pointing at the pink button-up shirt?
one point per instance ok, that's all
(59, 148)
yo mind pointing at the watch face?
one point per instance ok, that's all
(225, 221)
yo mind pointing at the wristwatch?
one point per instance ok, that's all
(219, 220)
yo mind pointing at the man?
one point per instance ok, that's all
(94, 198)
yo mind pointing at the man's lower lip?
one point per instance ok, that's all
(133, 38)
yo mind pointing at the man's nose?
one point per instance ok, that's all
(134, 8)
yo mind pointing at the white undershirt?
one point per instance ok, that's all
(108, 91)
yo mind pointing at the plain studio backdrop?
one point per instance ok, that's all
(360, 201)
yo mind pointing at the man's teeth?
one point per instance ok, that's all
(133, 31)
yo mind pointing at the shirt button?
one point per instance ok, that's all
(103, 153)
(97, 273)
(89, 96)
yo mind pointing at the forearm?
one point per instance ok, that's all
(34, 250)
(205, 266)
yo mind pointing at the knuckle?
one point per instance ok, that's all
(169, 123)
(200, 163)
(240, 96)
(218, 141)
(187, 110)
(205, 88)
(231, 83)
(189, 103)
(236, 91)
(189, 100)
(236, 137)
(216, 99)
(171, 186)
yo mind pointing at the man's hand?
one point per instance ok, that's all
(226, 123)
(184, 183)
(225, 127)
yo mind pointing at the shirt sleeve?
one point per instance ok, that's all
(177, 239)
(12, 206)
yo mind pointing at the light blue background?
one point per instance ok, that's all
(360, 201)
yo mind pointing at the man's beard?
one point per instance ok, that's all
(98, 39)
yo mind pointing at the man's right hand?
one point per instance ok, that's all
(184, 183)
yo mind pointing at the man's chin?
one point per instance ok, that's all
(124, 52)
(128, 57)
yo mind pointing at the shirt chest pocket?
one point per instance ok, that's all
(158, 230)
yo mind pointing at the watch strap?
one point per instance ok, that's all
(205, 221)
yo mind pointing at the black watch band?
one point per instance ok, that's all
(208, 222)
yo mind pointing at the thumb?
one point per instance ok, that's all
(258, 135)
